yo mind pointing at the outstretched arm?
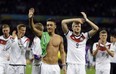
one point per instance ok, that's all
(66, 21)
(95, 28)
(31, 23)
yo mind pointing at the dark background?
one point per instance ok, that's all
(102, 12)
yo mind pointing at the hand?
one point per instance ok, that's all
(99, 42)
(81, 20)
(14, 34)
(105, 46)
(84, 16)
(31, 12)
(31, 60)
(64, 69)
(20, 35)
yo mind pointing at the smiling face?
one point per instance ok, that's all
(51, 26)
(21, 28)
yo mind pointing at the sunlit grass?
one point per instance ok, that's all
(29, 69)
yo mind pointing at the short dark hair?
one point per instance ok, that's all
(20, 25)
(113, 34)
(51, 19)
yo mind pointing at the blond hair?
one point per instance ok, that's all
(5, 26)
(39, 26)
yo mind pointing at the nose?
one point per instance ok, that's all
(49, 26)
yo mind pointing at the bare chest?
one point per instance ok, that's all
(55, 41)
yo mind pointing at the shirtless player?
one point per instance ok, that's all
(55, 44)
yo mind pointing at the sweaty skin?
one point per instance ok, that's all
(52, 50)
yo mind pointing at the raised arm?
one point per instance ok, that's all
(95, 28)
(66, 21)
(31, 23)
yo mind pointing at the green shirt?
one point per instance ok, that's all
(45, 38)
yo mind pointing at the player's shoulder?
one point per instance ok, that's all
(56, 35)
(84, 33)
(25, 38)
(36, 38)
(108, 43)
(1, 36)
(95, 43)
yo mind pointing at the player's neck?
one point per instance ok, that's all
(19, 36)
(6, 36)
(51, 33)
(103, 41)
(76, 33)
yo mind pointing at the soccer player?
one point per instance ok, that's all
(37, 52)
(18, 46)
(4, 55)
(76, 43)
(103, 50)
(51, 43)
(113, 60)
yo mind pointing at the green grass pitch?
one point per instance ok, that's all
(29, 68)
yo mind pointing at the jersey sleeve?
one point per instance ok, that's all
(87, 36)
(112, 47)
(36, 47)
(68, 34)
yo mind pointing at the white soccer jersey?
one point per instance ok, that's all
(76, 47)
(3, 54)
(36, 50)
(113, 59)
(17, 49)
(102, 57)
(36, 47)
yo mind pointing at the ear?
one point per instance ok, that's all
(55, 26)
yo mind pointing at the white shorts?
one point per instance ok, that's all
(50, 69)
(16, 69)
(103, 69)
(3, 68)
(76, 69)
(36, 67)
